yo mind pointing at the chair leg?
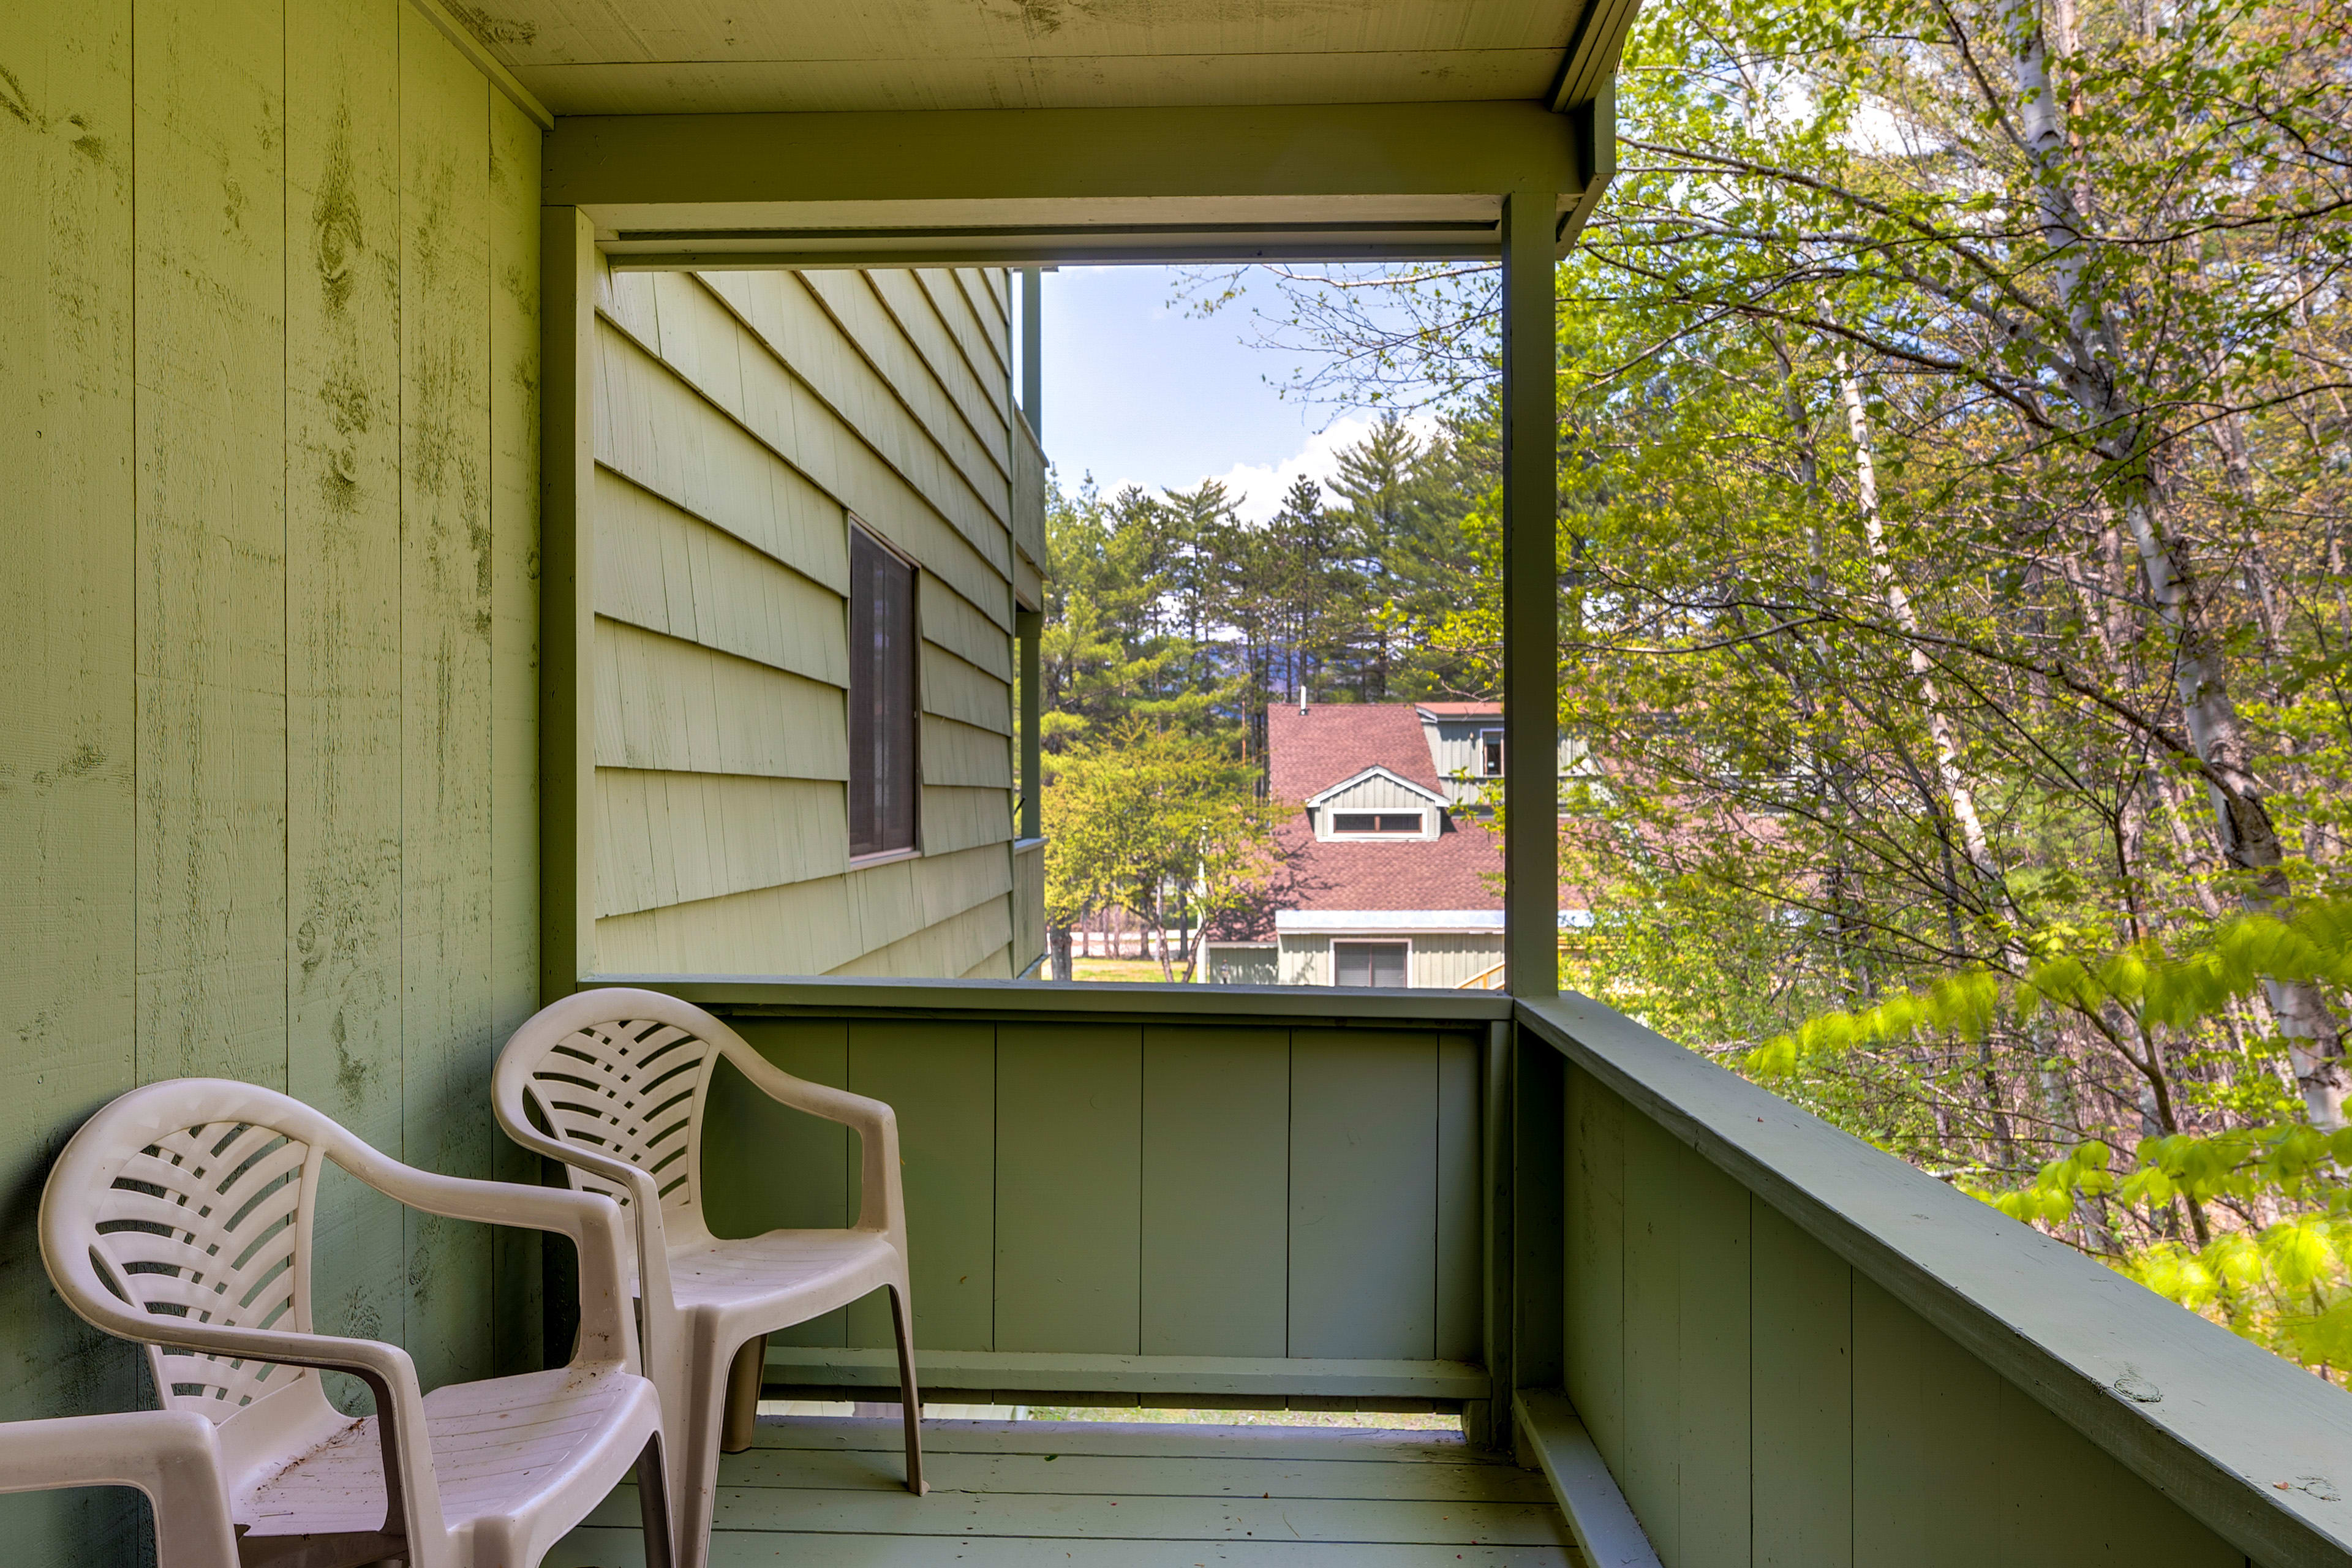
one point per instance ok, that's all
(694, 1496)
(743, 1379)
(910, 1398)
(653, 1506)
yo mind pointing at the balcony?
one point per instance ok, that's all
(1686, 1306)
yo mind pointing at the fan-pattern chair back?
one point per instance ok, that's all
(211, 1223)
(630, 1091)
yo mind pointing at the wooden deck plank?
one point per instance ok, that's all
(1272, 1475)
(1139, 1440)
(611, 1548)
(1134, 1516)
(823, 1491)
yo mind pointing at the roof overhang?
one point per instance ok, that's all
(1030, 186)
(1322, 797)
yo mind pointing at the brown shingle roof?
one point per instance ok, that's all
(1309, 753)
(1449, 872)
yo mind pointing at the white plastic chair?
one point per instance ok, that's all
(619, 1079)
(173, 1456)
(179, 1216)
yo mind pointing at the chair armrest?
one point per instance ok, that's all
(592, 1221)
(413, 1497)
(881, 1203)
(645, 1196)
(173, 1456)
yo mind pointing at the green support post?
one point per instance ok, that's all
(1032, 346)
(567, 756)
(1530, 595)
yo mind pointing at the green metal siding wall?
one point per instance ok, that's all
(1759, 1401)
(266, 767)
(1131, 1189)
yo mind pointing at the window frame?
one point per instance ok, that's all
(1490, 740)
(1420, 829)
(913, 848)
(1404, 943)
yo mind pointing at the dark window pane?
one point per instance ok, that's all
(881, 698)
(1490, 753)
(1375, 822)
(1380, 963)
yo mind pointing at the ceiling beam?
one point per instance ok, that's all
(1053, 184)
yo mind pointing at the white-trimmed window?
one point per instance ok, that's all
(883, 726)
(1490, 753)
(1379, 824)
(1385, 966)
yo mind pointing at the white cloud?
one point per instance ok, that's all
(1258, 488)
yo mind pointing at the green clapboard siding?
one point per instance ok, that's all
(1069, 1114)
(1363, 1193)
(269, 427)
(1216, 1192)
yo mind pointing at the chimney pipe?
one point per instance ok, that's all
(1302, 701)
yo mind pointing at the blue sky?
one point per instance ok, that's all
(1141, 391)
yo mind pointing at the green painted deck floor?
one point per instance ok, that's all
(819, 1493)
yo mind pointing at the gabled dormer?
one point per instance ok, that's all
(1376, 803)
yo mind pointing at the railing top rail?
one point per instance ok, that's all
(1092, 1000)
(2247, 1444)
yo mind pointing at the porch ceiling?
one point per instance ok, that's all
(649, 57)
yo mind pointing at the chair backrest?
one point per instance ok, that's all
(191, 1198)
(625, 1074)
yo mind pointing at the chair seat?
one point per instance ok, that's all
(507, 1449)
(809, 1270)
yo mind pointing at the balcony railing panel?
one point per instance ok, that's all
(1789, 1347)
(1139, 1205)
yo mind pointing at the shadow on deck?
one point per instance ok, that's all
(820, 1493)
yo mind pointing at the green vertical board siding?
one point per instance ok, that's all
(2067, 1504)
(67, 856)
(1803, 1390)
(1216, 1191)
(1069, 1187)
(444, 585)
(1649, 1466)
(342, 631)
(209, 150)
(1711, 1529)
(941, 1079)
(513, 291)
(1926, 1442)
(769, 1167)
(1460, 1300)
(1595, 1262)
(203, 772)
(1363, 1193)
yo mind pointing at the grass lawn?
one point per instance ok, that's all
(1146, 969)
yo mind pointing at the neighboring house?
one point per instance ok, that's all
(1385, 880)
(816, 510)
(1391, 866)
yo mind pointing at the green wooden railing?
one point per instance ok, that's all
(1136, 1193)
(1786, 1347)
